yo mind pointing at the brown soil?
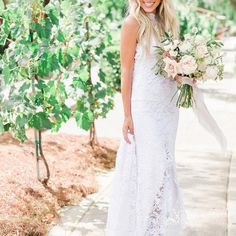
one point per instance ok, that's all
(26, 206)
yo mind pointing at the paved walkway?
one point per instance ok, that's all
(208, 180)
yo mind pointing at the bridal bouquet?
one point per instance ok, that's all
(194, 59)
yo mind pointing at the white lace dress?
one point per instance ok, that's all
(145, 198)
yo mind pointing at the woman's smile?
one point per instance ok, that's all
(149, 6)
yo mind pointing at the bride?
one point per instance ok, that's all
(145, 198)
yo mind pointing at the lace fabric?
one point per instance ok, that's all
(145, 198)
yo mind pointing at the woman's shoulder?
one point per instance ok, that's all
(130, 23)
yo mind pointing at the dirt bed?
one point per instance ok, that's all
(26, 206)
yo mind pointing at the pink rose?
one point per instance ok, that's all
(171, 67)
(166, 54)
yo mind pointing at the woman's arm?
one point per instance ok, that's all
(129, 32)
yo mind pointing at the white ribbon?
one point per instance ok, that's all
(203, 115)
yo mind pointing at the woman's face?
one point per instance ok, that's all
(149, 6)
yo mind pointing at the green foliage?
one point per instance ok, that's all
(96, 83)
(49, 57)
(219, 15)
(222, 7)
(62, 59)
(189, 18)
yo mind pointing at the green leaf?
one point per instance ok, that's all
(6, 74)
(54, 65)
(64, 58)
(44, 31)
(40, 30)
(83, 120)
(43, 66)
(74, 51)
(111, 57)
(90, 116)
(53, 16)
(21, 120)
(90, 99)
(6, 27)
(3, 38)
(15, 30)
(100, 48)
(1, 126)
(81, 106)
(24, 87)
(102, 75)
(40, 120)
(48, 28)
(101, 93)
(7, 127)
(23, 72)
(65, 113)
(84, 76)
(41, 84)
(52, 100)
(60, 36)
(38, 99)
(78, 83)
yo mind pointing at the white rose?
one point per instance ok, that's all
(204, 63)
(211, 73)
(200, 78)
(171, 67)
(188, 65)
(201, 51)
(202, 66)
(216, 52)
(194, 30)
(176, 43)
(199, 40)
(208, 60)
(167, 47)
(185, 46)
(187, 37)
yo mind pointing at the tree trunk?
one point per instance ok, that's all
(92, 133)
(93, 136)
(46, 179)
(5, 2)
(233, 3)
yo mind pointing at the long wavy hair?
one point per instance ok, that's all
(166, 21)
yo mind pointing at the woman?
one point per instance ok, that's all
(145, 199)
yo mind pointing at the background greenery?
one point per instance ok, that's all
(60, 59)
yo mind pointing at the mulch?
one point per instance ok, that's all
(27, 207)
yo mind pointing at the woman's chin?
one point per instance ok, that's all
(149, 10)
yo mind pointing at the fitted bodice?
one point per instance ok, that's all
(147, 85)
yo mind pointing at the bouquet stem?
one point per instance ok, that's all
(185, 98)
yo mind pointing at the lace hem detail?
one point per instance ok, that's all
(167, 211)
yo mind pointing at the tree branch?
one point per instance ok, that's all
(5, 2)
(46, 2)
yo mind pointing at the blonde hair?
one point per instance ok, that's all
(166, 21)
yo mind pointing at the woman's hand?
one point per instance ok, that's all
(128, 128)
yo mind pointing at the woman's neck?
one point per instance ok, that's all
(151, 15)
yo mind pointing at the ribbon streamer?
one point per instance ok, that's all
(203, 115)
